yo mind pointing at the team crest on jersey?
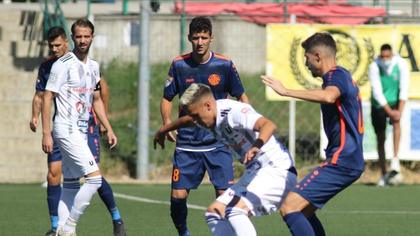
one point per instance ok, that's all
(80, 107)
(214, 79)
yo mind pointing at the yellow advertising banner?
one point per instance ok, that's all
(357, 46)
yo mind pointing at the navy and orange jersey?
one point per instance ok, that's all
(43, 74)
(343, 121)
(219, 73)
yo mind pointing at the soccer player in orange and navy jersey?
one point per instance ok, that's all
(197, 150)
(343, 124)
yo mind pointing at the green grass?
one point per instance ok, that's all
(123, 82)
(360, 210)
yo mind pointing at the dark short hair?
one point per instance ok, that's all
(200, 24)
(386, 47)
(83, 22)
(55, 32)
(320, 39)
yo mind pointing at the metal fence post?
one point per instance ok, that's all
(143, 95)
(183, 24)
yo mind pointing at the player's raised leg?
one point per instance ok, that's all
(216, 220)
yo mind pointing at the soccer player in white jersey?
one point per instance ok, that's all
(74, 81)
(269, 173)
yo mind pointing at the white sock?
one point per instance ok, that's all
(218, 225)
(82, 201)
(395, 164)
(240, 221)
(68, 192)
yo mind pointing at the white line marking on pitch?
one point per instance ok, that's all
(148, 200)
(197, 207)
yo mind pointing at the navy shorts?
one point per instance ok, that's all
(325, 182)
(93, 142)
(94, 139)
(55, 155)
(189, 168)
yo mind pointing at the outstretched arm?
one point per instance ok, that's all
(327, 95)
(162, 132)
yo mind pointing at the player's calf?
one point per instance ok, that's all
(238, 218)
(81, 202)
(217, 223)
(179, 212)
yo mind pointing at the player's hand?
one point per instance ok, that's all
(250, 154)
(275, 84)
(159, 139)
(394, 115)
(47, 143)
(33, 124)
(112, 139)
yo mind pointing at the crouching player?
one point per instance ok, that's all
(269, 174)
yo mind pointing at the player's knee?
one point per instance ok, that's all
(216, 208)
(94, 181)
(287, 208)
(71, 184)
(54, 177)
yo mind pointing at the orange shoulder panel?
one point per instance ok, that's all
(182, 57)
(221, 57)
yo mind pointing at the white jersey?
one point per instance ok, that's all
(234, 126)
(74, 83)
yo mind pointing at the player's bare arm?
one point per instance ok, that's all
(243, 98)
(165, 129)
(165, 112)
(104, 91)
(36, 110)
(98, 107)
(327, 95)
(47, 141)
(266, 129)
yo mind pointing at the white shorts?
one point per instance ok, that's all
(261, 188)
(77, 158)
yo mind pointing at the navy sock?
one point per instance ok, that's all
(316, 225)
(298, 224)
(107, 196)
(53, 198)
(179, 214)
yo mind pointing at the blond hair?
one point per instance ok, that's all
(193, 94)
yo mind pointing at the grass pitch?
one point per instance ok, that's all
(360, 210)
